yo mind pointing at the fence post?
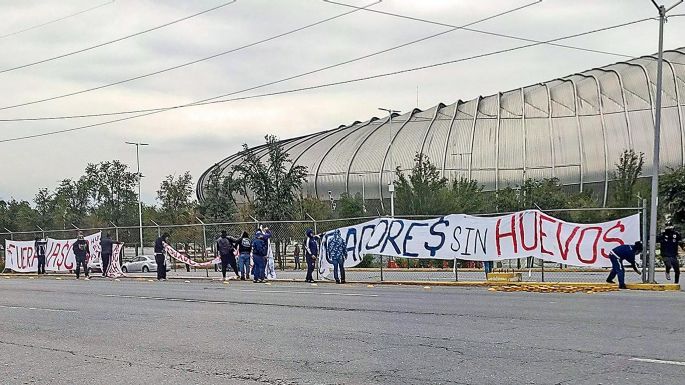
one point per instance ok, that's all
(41, 231)
(644, 242)
(456, 271)
(116, 230)
(317, 264)
(381, 268)
(542, 270)
(159, 230)
(10, 232)
(204, 241)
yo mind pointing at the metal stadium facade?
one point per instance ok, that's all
(573, 128)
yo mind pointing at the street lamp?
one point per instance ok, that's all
(391, 182)
(140, 199)
(657, 138)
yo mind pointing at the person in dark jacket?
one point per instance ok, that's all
(669, 241)
(311, 253)
(260, 248)
(160, 259)
(617, 256)
(41, 247)
(296, 253)
(106, 246)
(82, 253)
(225, 245)
(244, 251)
(337, 253)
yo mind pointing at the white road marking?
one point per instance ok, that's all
(653, 361)
(37, 308)
(307, 292)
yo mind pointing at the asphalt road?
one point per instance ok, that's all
(137, 332)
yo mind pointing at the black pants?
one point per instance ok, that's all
(41, 264)
(310, 267)
(672, 262)
(81, 262)
(297, 263)
(161, 266)
(227, 259)
(106, 258)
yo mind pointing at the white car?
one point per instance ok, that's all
(143, 263)
(94, 266)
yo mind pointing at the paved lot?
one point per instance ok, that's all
(134, 332)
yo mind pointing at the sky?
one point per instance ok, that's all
(193, 139)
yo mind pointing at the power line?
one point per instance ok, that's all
(55, 20)
(203, 101)
(192, 62)
(116, 40)
(478, 30)
(327, 84)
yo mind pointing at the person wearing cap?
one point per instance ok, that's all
(225, 245)
(337, 253)
(617, 256)
(82, 253)
(311, 253)
(160, 259)
(260, 249)
(41, 246)
(669, 241)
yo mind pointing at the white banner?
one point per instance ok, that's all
(524, 234)
(20, 256)
(181, 257)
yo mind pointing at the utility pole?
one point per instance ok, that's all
(657, 139)
(391, 182)
(140, 199)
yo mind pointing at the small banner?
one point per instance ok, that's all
(523, 234)
(181, 257)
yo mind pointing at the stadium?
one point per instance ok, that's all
(572, 128)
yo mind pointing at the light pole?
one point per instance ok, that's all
(391, 182)
(657, 138)
(140, 199)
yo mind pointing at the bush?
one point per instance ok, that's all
(367, 261)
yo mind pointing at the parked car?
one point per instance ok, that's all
(94, 266)
(143, 263)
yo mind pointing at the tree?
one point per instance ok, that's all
(351, 206)
(112, 190)
(628, 170)
(71, 202)
(466, 196)
(45, 204)
(274, 182)
(424, 191)
(672, 194)
(175, 195)
(218, 204)
(317, 208)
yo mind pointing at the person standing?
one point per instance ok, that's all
(296, 253)
(225, 247)
(337, 254)
(244, 251)
(106, 246)
(617, 256)
(41, 247)
(160, 258)
(311, 253)
(260, 248)
(82, 253)
(669, 241)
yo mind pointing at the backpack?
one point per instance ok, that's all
(245, 242)
(259, 247)
(224, 246)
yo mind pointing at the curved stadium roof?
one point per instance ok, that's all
(573, 128)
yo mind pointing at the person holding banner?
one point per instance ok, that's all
(617, 256)
(106, 244)
(82, 254)
(311, 253)
(260, 248)
(225, 247)
(160, 259)
(41, 245)
(669, 241)
(337, 253)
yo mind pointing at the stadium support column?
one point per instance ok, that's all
(657, 139)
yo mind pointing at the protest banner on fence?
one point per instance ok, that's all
(20, 256)
(523, 234)
(183, 258)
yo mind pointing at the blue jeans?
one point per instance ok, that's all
(244, 265)
(339, 264)
(616, 269)
(259, 267)
(487, 266)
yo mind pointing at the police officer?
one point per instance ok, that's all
(617, 256)
(669, 241)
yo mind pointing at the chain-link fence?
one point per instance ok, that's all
(198, 241)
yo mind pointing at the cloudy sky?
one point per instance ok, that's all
(195, 138)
